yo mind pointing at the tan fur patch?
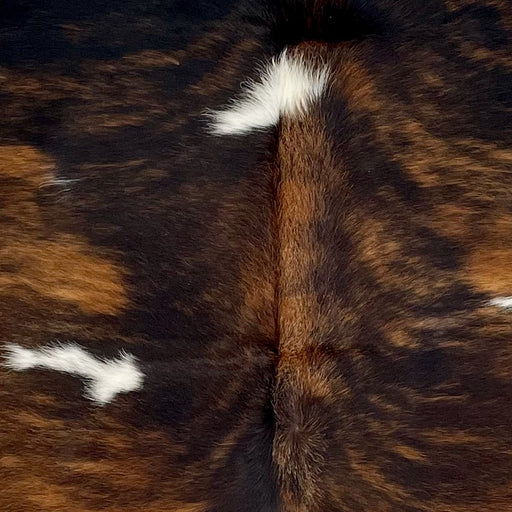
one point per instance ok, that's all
(57, 266)
(489, 265)
(64, 269)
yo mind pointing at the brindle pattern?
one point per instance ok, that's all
(310, 305)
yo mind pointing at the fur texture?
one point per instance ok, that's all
(502, 302)
(286, 87)
(105, 379)
(317, 313)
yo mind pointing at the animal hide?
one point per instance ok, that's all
(256, 256)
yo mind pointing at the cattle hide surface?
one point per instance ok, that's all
(314, 316)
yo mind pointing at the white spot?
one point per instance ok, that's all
(59, 182)
(105, 378)
(287, 87)
(502, 302)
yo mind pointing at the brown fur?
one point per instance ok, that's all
(310, 305)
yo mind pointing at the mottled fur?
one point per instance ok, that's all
(315, 307)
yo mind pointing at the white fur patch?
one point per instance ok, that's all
(502, 302)
(105, 378)
(287, 87)
(59, 182)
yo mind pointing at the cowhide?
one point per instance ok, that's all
(256, 256)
